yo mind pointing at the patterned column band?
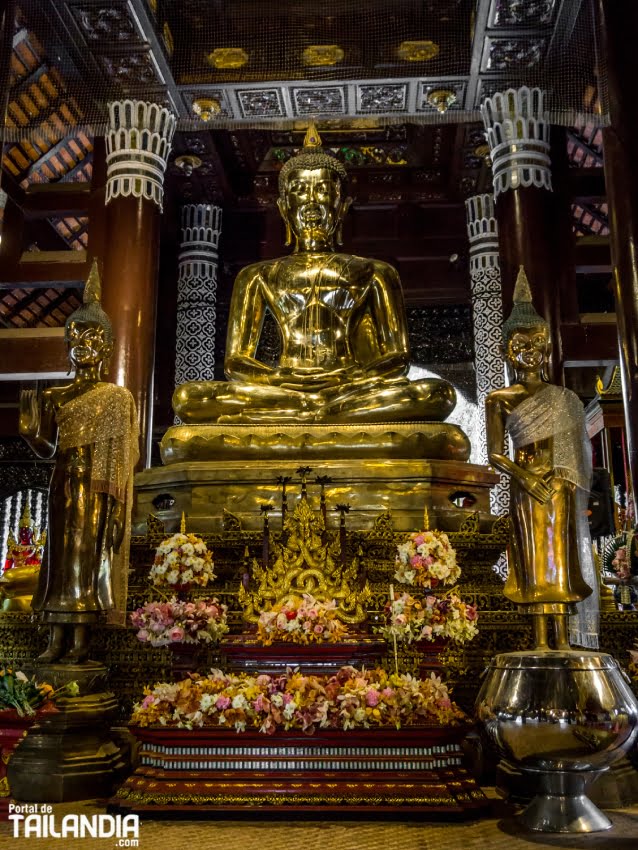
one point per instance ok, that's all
(487, 314)
(518, 135)
(138, 143)
(197, 293)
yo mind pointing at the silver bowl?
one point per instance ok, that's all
(563, 716)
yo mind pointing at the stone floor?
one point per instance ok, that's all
(500, 832)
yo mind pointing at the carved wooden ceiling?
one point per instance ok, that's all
(286, 61)
(408, 180)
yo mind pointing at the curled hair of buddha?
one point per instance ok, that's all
(91, 308)
(312, 156)
(523, 313)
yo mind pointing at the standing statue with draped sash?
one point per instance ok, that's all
(91, 428)
(551, 568)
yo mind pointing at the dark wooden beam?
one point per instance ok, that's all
(32, 351)
(55, 268)
(589, 343)
(593, 255)
(56, 199)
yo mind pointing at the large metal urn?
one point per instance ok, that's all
(562, 717)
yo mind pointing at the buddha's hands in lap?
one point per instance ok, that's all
(314, 379)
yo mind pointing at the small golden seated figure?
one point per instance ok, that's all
(22, 565)
(344, 340)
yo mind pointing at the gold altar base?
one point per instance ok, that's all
(204, 489)
(215, 772)
(245, 653)
(438, 440)
(69, 754)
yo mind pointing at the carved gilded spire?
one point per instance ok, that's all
(523, 313)
(25, 519)
(309, 561)
(312, 139)
(93, 287)
(522, 291)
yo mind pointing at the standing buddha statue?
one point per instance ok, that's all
(550, 557)
(91, 428)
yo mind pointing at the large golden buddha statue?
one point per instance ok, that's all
(344, 342)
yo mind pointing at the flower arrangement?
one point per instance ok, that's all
(182, 561)
(427, 559)
(301, 620)
(349, 699)
(174, 621)
(620, 563)
(408, 619)
(620, 555)
(25, 696)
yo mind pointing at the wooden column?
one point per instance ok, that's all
(618, 23)
(130, 300)
(7, 26)
(518, 135)
(135, 171)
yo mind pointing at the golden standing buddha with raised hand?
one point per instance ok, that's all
(550, 558)
(341, 318)
(91, 428)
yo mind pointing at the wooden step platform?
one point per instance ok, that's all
(213, 771)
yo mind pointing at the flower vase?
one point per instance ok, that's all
(184, 659)
(430, 652)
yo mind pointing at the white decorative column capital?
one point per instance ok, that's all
(138, 143)
(201, 229)
(482, 232)
(517, 128)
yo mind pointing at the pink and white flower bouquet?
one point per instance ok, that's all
(427, 559)
(301, 619)
(182, 561)
(448, 617)
(163, 623)
(350, 699)
(620, 563)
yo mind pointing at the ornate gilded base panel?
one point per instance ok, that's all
(204, 490)
(314, 442)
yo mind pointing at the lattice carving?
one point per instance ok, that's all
(517, 127)
(138, 143)
(487, 316)
(197, 293)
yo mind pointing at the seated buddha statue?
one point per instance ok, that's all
(341, 318)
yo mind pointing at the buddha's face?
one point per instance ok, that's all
(87, 343)
(312, 204)
(528, 348)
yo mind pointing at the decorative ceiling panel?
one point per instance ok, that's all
(303, 59)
